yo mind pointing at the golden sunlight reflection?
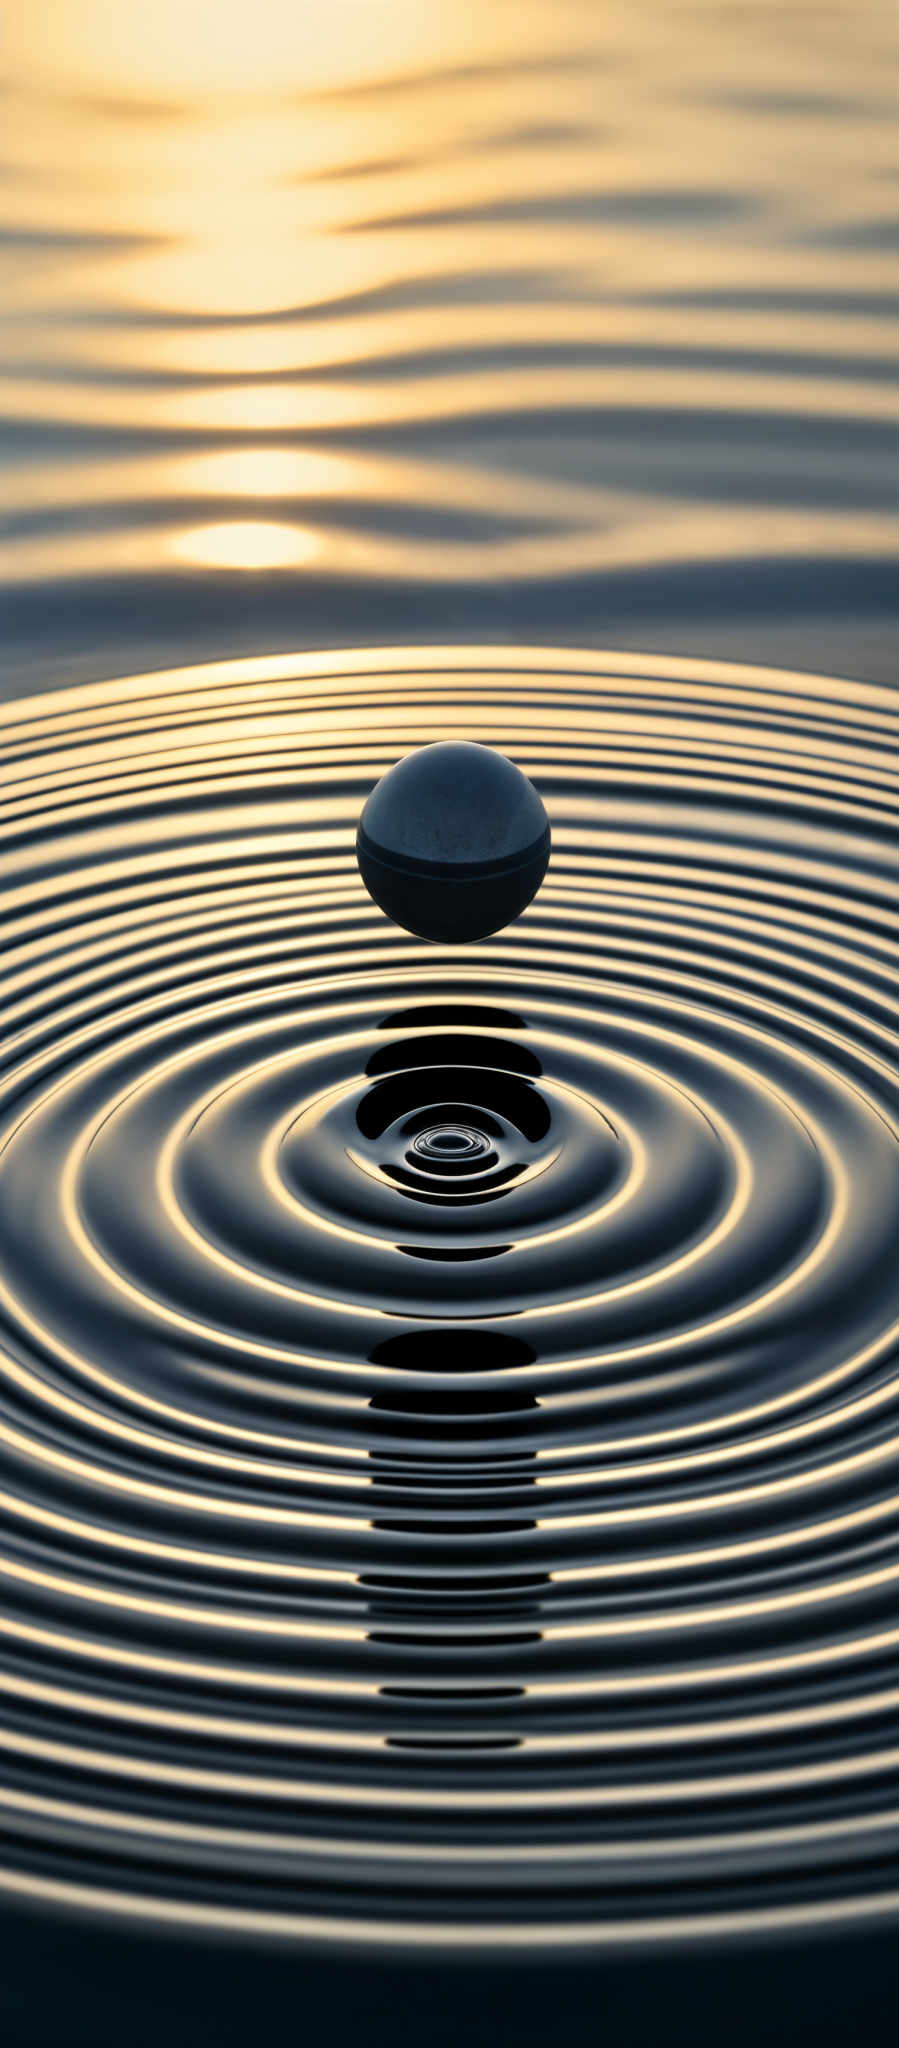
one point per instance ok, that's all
(448, 1396)
(208, 46)
(557, 307)
(271, 473)
(246, 544)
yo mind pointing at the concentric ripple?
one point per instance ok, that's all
(449, 1397)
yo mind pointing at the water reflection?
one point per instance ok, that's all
(246, 544)
(551, 322)
(373, 1599)
(392, 322)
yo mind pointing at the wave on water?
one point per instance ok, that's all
(451, 1544)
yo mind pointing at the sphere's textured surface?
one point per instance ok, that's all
(453, 842)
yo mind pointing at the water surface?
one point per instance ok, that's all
(435, 1556)
(448, 1399)
(385, 323)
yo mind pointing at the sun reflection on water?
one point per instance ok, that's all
(246, 544)
(584, 318)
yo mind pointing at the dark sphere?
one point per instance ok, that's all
(453, 842)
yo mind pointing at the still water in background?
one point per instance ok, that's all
(384, 322)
